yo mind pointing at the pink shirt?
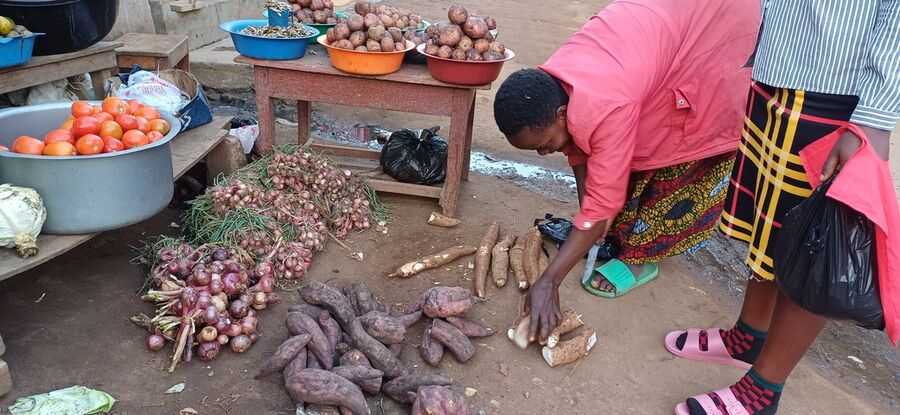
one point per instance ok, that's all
(653, 83)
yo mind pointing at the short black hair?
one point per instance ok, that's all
(528, 98)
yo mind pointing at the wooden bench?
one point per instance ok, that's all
(153, 52)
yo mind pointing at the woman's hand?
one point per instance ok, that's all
(848, 144)
(542, 303)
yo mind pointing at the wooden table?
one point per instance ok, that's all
(96, 60)
(187, 149)
(153, 52)
(412, 89)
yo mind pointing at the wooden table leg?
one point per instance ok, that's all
(467, 153)
(184, 64)
(265, 112)
(303, 121)
(98, 80)
(459, 124)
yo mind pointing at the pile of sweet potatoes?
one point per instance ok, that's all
(344, 344)
(447, 327)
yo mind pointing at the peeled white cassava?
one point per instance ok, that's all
(22, 214)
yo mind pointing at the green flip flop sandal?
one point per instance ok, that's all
(618, 274)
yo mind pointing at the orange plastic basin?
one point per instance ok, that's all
(365, 63)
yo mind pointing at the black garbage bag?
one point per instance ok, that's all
(825, 261)
(415, 156)
(557, 230)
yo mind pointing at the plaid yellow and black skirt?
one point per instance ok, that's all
(671, 210)
(768, 179)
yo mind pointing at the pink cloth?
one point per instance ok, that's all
(864, 184)
(653, 83)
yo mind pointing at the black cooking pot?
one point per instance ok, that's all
(70, 25)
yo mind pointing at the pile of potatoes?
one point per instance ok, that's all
(344, 345)
(315, 11)
(366, 31)
(465, 37)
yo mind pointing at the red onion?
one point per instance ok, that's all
(251, 313)
(254, 337)
(155, 342)
(166, 254)
(263, 269)
(259, 298)
(234, 329)
(232, 266)
(188, 298)
(208, 351)
(222, 339)
(172, 268)
(248, 325)
(185, 249)
(245, 278)
(222, 324)
(240, 343)
(200, 276)
(184, 268)
(216, 267)
(264, 285)
(210, 315)
(238, 309)
(230, 284)
(219, 254)
(208, 334)
(220, 301)
(215, 287)
(178, 309)
(247, 298)
(203, 300)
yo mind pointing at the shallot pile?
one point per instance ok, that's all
(293, 196)
(344, 343)
(206, 297)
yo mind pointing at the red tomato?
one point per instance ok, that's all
(134, 138)
(112, 144)
(154, 136)
(89, 144)
(82, 109)
(67, 125)
(59, 135)
(149, 113)
(128, 122)
(103, 116)
(143, 124)
(85, 125)
(96, 110)
(160, 125)
(111, 129)
(28, 145)
(115, 106)
(134, 105)
(60, 148)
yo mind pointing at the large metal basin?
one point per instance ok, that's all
(87, 194)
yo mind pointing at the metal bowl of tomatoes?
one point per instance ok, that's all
(87, 193)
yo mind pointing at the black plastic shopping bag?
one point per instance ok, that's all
(415, 156)
(825, 260)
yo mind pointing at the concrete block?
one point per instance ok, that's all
(215, 68)
(202, 25)
(5, 379)
(227, 157)
(134, 17)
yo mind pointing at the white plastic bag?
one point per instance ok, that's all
(247, 136)
(154, 91)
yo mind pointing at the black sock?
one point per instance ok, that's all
(742, 342)
(757, 395)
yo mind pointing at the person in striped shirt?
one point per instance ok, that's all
(819, 64)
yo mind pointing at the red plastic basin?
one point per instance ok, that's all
(464, 72)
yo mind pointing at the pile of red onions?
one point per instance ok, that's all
(208, 298)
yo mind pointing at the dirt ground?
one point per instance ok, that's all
(66, 323)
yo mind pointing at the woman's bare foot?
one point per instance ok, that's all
(601, 283)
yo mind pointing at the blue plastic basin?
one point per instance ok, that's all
(16, 51)
(263, 47)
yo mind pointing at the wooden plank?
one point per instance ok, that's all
(393, 186)
(187, 149)
(191, 146)
(345, 151)
(44, 69)
(319, 63)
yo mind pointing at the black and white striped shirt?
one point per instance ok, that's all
(846, 47)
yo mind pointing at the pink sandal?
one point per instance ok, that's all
(715, 353)
(732, 405)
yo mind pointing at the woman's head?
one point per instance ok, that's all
(530, 110)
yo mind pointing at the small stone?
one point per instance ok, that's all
(527, 394)
(537, 381)
(495, 404)
(211, 373)
(470, 392)
(188, 411)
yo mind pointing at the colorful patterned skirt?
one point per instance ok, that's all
(768, 179)
(671, 210)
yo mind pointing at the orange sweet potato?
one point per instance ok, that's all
(283, 355)
(326, 388)
(453, 339)
(443, 301)
(319, 345)
(469, 327)
(383, 327)
(399, 388)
